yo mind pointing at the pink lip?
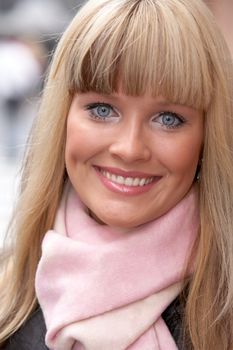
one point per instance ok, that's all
(123, 189)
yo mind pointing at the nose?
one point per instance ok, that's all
(130, 144)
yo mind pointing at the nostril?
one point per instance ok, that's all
(130, 151)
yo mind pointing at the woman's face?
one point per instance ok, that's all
(131, 159)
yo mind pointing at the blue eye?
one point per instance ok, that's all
(169, 120)
(101, 111)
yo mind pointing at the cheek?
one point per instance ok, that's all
(80, 141)
(181, 156)
(73, 147)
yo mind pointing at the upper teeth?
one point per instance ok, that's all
(127, 181)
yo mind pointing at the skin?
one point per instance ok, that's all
(134, 136)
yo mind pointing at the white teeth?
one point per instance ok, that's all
(127, 181)
(136, 181)
(120, 180)
(142, 182)
(148, 181)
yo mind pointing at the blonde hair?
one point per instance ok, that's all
(163, 47)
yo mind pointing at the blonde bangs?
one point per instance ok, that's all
(145, 47)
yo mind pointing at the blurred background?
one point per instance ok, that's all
(29, 31)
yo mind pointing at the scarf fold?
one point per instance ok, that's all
(101, 289)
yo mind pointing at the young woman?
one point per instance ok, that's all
(123, 229)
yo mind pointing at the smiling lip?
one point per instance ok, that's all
(126, 182)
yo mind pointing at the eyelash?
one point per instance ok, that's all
(178, 118)
(90, 107)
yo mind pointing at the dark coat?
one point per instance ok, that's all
(31, 335)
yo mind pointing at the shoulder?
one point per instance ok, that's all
(30, 336)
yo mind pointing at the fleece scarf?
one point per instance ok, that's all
(101, 289)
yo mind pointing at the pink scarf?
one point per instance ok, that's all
(104, 290)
